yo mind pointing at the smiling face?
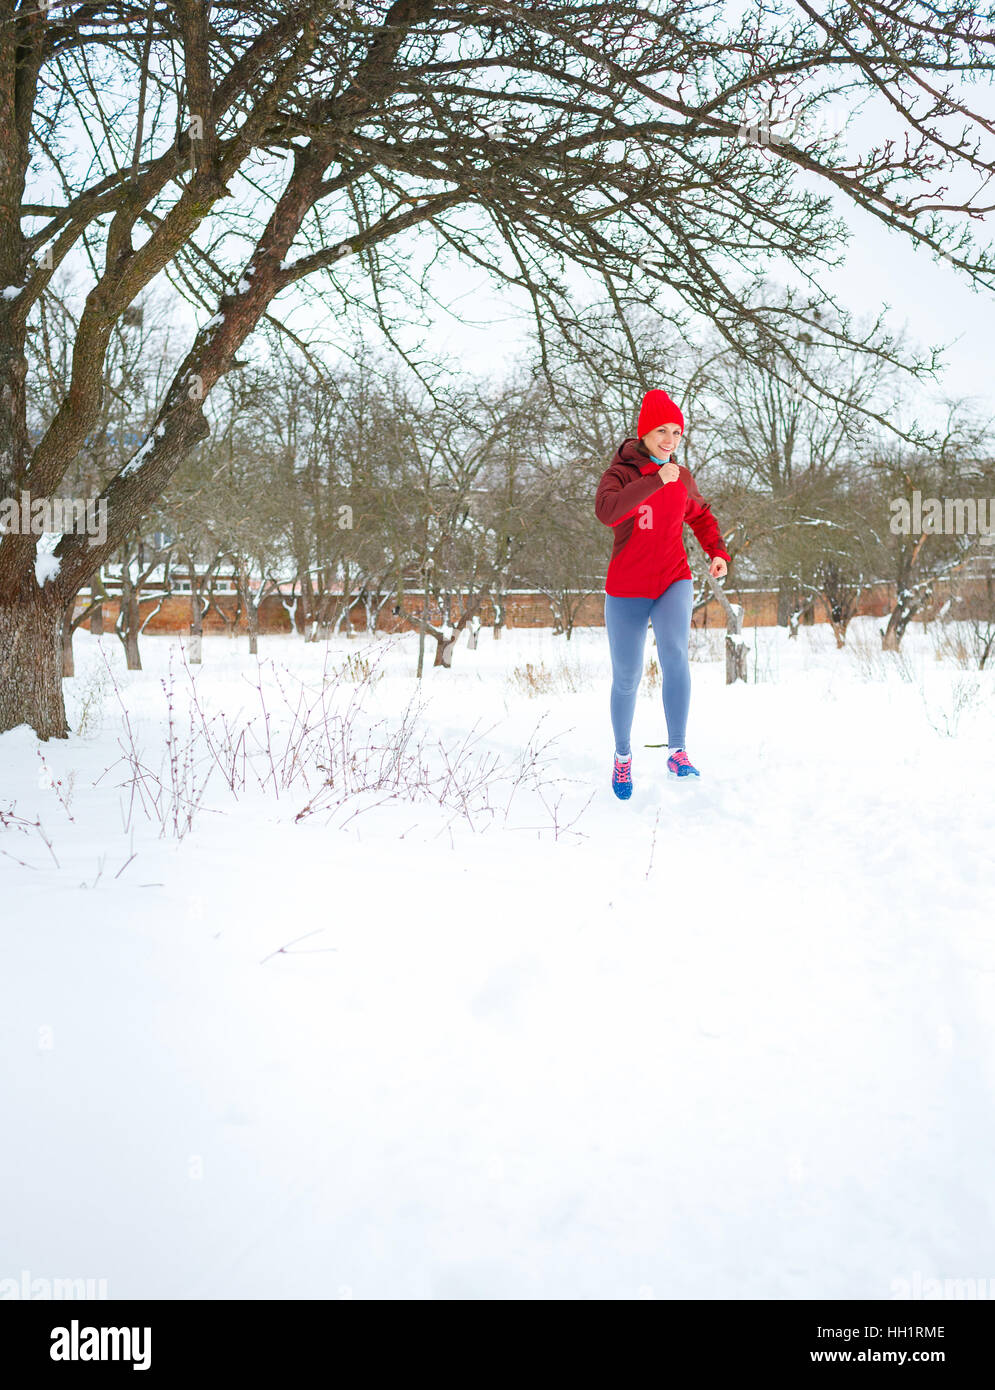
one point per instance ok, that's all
(662, 441)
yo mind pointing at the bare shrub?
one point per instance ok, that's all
(945, 710)
(536, 678)
(532, 679)
(90, 699)
(172, 793)
(968, 644)
(11, 822)
(877, 664)
(320, 742)
(358, 670)
(865, 649)
(766, 667)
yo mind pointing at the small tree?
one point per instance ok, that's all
(137, 562)
(912, 559)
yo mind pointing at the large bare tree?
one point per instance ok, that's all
(244, 149)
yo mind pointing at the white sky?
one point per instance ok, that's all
(883, 268)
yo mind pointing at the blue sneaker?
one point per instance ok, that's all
(622, 777)
(680, 765)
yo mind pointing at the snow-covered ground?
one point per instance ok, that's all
(733, 1039)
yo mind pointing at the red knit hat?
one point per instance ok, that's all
(658, 409)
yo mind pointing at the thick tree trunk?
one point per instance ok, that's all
(422, 629)
(736, 648)
(31, 664)
(891, 638)
(448, 635)
(195, 647)
(132, 622)
(787, 604)
(307, 607)
(291, 611)
(737, 651)
(97, 621)
(252, 618)
(444, 648)
(68, 664)
(908, 604)
(320, 628)
(799, 615)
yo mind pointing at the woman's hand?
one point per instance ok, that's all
(669, 473)
(718, 568)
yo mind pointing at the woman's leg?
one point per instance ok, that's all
(625, 619)
(670, 615)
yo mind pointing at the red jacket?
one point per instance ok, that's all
(648, 516)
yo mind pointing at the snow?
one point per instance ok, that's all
(141, 454)
(734, 1038)
(138, 457)
(215, 322)
(243, 285)
(47, 567)
(11, 291)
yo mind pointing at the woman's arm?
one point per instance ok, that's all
(698, 515)
(617, 498)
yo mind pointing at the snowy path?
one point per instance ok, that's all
(737, 1042)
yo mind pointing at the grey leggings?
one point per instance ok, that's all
(626, 620)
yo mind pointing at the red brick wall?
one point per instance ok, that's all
(174, 615)
(530, 610)
(760, 607)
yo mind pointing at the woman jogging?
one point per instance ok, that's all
(647, 498)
